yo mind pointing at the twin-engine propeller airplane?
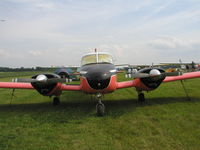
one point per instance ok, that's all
(98, 76)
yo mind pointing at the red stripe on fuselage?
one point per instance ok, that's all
(87, 89)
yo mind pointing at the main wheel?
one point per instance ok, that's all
(56, 101)
(100, 108)
(141, 97)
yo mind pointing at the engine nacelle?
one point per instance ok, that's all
(155, 80)
(47, 88)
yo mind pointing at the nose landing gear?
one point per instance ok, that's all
(100, 108)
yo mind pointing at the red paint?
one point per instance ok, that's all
(15, 85)
(183, 77)
(71, 87)
(125, 84)
(137, 83)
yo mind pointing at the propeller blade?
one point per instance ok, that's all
(52, 80)
(171, 73)
(140, 75)
(57, 80)
(23, 80)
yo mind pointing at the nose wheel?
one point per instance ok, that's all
(100, 107)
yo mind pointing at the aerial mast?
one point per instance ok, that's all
(97, 57)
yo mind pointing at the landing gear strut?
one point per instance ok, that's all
(100, 108)
(56, 101)
(141, 97)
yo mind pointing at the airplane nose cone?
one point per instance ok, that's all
(98, 76)
(98, 80)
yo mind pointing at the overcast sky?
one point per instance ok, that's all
(59, 32)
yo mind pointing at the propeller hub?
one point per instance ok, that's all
(154, 72)
(41, 78)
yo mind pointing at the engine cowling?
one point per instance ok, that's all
(47, 88)
(155, 78)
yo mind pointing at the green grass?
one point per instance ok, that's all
(166, 121)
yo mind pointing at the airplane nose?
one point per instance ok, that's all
(98, 78)
(99, 81)
(98, 75)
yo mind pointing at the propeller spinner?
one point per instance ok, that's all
(41, 77)
(154, 72)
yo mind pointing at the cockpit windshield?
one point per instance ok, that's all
(96, 58)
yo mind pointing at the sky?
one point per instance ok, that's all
(59, 32)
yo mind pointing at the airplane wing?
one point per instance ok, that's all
(182, 77)
(137, 82)
(65, 87)
(18, 85)
(15, 85)
(126, 84)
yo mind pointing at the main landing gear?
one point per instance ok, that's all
(56, 101)
(141, 97)
(100, 108)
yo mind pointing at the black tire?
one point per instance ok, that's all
(56, 101)
(141, 97)
(100, 109)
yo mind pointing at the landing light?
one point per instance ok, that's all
(114, 70)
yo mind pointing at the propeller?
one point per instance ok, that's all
(155, 73)
(40, 79)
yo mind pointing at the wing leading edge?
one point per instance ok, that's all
(15, 85)
(18, 85)
(65, 87)
(126, 84)
(189, 75)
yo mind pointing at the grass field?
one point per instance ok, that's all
(166, 121)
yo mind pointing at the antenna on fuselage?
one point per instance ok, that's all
(97, 58)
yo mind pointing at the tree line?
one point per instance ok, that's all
(8, 69)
